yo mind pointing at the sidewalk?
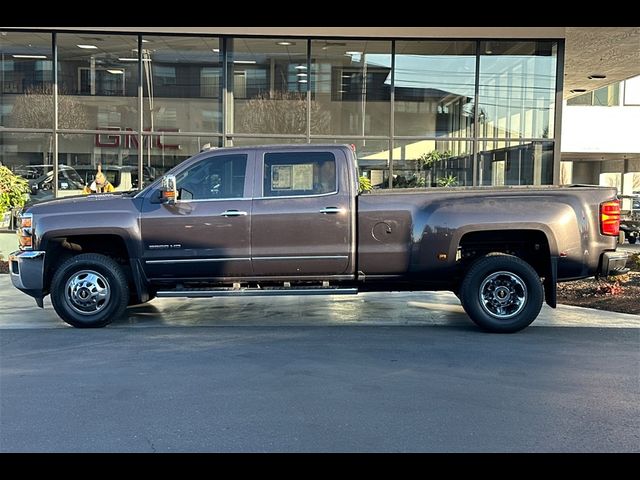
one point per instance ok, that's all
(370, 309)
(8, 243)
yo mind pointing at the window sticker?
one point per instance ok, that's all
(281, 177)
(303, 177)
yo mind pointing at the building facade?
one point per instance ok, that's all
(600, 141)
(419, 111)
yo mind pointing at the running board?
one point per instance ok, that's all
(254, 292)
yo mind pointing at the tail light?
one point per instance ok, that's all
(610, 218)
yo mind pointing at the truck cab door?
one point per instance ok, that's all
(206, 233)
(302, 217)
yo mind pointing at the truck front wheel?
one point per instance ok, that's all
(501, 293)
(89, 291)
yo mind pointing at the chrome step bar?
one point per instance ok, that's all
(253, 292)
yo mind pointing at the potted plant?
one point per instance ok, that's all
(13, 195)
(426, 163)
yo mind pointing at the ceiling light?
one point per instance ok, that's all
(301, 67)
(285, 44)
(301, 74)
(245, 61)
(578, 90)
(116, 71)
(128, 59)
(302, 80)
(87, 47)
(215, 50)
(353, 53)
(145, 41)
(597, 76)
(28, 56)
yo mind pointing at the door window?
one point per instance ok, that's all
(218, 177)
(299, 174)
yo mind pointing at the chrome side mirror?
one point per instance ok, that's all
(169, 190)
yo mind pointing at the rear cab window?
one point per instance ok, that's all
(299, 174)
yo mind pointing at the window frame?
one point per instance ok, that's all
(246, 183)
(261, 171)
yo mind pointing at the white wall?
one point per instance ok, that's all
(601, 129)
(604, 129)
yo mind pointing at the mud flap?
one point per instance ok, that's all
(550, 283)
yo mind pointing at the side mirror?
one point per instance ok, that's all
(169, 190)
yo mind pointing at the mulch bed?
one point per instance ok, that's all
(618, 294)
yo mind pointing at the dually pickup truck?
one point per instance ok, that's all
(290, 220)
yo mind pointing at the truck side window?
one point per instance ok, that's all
(303, 173)
(217, 177)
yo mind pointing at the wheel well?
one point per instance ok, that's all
(530, 245)
(60, 249)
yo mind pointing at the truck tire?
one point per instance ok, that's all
(501, 293)
(89, 291)
(632, 240)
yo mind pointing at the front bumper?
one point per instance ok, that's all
(613, 263)
(27, 272)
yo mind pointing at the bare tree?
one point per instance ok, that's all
(282, 112)
(34, 109)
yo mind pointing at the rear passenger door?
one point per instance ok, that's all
(301, 215)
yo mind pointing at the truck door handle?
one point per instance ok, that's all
(233, 213)
(331, 210)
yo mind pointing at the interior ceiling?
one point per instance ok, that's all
(611, 51)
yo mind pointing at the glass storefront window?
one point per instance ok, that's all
(432, 163)
(372, 155)
(182, 84)
(30, 155)
(80, 154)
(434, 88)
(255, 141)
(281, 91)
(162, 152)
(97, 81)
(515, 163)
(517, 89)
(268, 85)
(26, 80)
(21, 151)
(351, 87)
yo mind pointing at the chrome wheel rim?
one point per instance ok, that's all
(503, 295)
(87, 292)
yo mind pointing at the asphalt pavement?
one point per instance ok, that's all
(396, 372)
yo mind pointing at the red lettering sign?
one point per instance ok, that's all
(130, 140)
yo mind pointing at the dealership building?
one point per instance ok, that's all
(422, 106)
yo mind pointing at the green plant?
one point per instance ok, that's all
(13, 190)
(448, 181)
(365, 184)
(428, 159)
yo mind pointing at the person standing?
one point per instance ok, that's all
(100, 184)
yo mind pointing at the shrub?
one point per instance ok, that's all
(365, 184)
(13, 190)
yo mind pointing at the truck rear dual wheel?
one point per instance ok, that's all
(89, 291)
(501, 293)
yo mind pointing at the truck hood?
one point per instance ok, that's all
(86, 203)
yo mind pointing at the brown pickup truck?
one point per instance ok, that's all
(290, 220)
